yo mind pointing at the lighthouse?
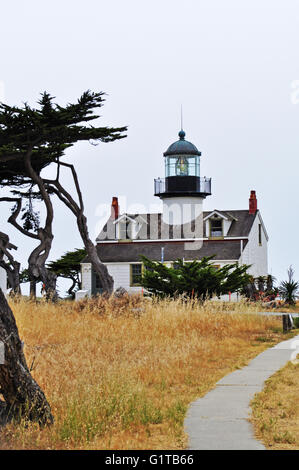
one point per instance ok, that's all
(183, 189)
(182, 231)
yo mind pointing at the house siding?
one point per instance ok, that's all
(119, 271)
(122, 276)
(256, 254)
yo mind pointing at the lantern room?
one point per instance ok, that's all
(182, 158)
(182, 171)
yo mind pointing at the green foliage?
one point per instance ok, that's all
(69, 263)
(47, 130)
(289, 289)
(68, 267)
(198, 278)
(24, 276)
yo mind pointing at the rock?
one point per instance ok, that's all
(120, 292)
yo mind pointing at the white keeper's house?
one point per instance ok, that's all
(183, 229)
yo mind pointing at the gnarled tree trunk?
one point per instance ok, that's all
(13, 276)
(39, 256)
(32, 289)
(9, 264)
(36, 264)
(23, 396)
(54, 186)
(37, 260)
(101, 270)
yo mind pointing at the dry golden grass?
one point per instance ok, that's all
(282, 307)
(119, 374)
(276, 410)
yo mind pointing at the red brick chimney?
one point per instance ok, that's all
(252, 203)
(114, 208)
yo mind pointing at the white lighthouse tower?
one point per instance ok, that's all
(183, 189)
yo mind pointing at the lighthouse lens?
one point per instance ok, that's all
(182, 166)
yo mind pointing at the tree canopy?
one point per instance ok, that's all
(32, 138)
(46, 132)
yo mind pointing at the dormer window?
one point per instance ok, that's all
(124, 230)
(216, 227)
(128, 228)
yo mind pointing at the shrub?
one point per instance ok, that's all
(198, 278)
(289, 289)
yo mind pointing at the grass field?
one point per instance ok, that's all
(120, 373)
(275, 413)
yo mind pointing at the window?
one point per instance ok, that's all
(125, 229)
(260, 234)
(136, 273)
(122, 230)
(216, 227)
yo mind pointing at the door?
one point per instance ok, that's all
(96, 285)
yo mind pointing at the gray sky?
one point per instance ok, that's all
(231, 64)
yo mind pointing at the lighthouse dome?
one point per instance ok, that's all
(182, 147)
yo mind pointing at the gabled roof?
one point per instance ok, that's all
(135, 219)
(222, 214)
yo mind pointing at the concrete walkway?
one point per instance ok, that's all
(277, 314)
(219, 420)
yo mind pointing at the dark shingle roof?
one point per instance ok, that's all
(152, 226)
(241, 222)
(226, 250)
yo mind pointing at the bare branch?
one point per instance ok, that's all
(71, 202)
(13, 218)
(76, 181)
(59, 195)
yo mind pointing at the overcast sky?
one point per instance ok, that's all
(232, 64)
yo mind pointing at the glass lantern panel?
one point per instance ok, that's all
(183, 165)
(194, 166)
(170, 166)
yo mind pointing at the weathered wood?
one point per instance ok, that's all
(23, 396)
(287, 323)
(9, 264)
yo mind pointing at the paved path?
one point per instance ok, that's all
(278, 314)
(219, 420)
(265, 313)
